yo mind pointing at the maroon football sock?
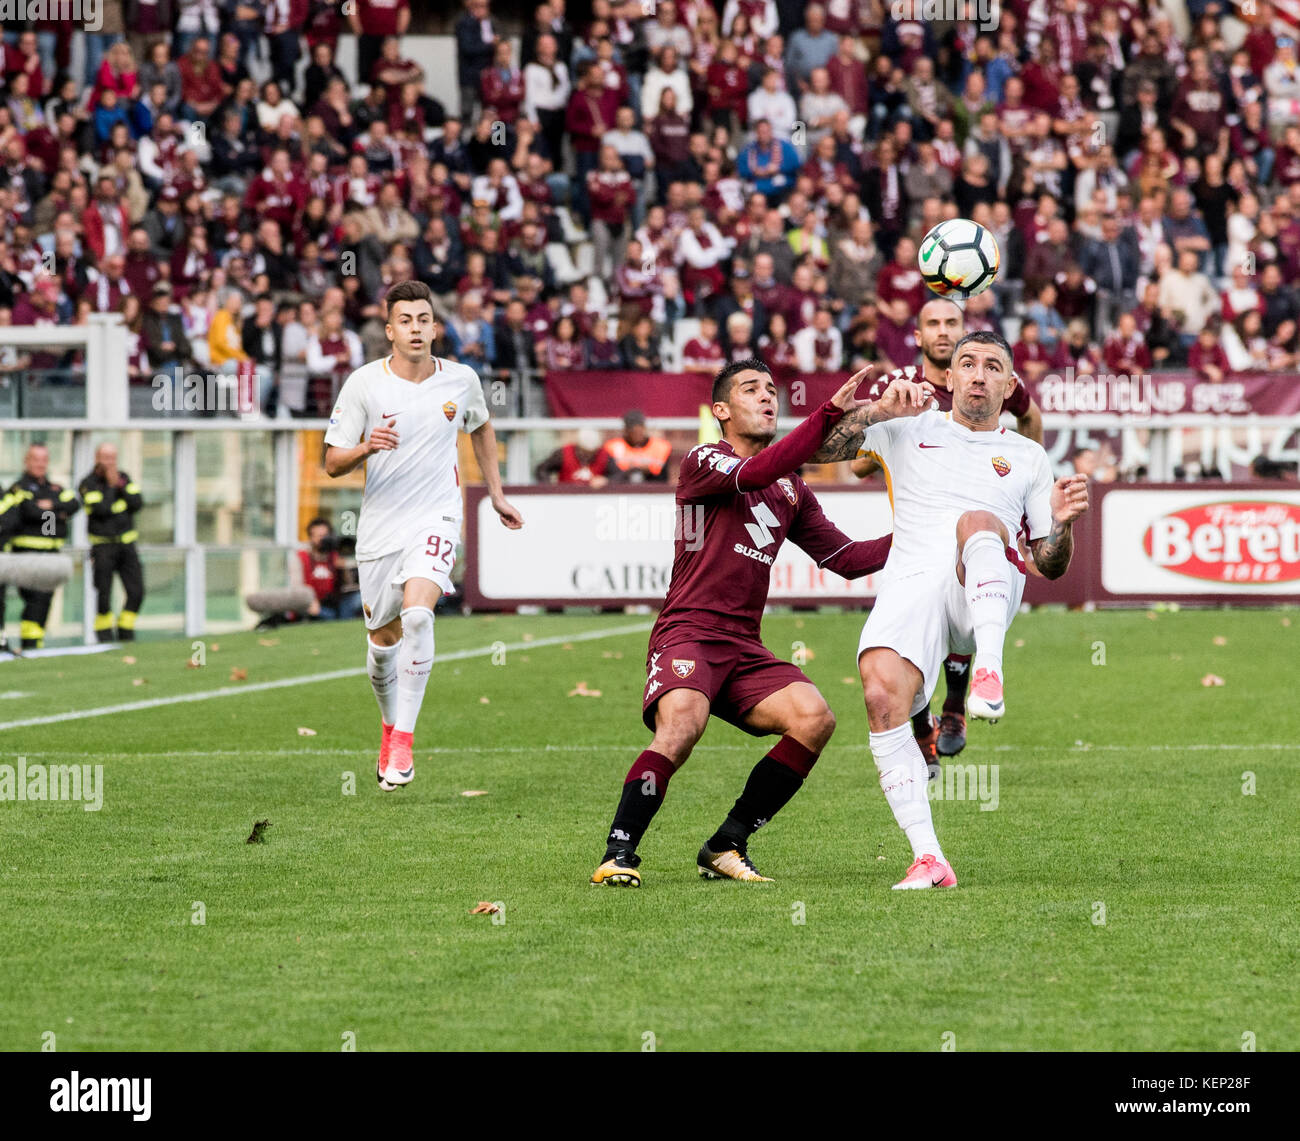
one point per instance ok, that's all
(771, 785)
(643, 792)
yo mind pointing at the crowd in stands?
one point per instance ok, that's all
(654, 187)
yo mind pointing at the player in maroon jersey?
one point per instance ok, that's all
(940, 325)
(737, 502)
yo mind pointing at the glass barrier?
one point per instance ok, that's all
(235, 489)
(43, 384)
(232, 575)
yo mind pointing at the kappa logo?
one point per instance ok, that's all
(449, 410)
(1000, 465)
(683, 667)
(788, 487)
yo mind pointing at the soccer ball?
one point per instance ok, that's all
(959, 258)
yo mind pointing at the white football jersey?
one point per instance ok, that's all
(414, 489)
(936, 470)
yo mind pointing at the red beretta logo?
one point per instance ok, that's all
(1244, 541)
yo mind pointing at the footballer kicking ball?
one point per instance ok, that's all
(959, 258)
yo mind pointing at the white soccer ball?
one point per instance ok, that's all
(959, 258)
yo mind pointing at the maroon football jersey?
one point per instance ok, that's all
(727, 541)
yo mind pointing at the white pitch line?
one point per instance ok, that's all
(308, 679)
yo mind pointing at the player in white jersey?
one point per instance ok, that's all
(963, 489)
(401, 416)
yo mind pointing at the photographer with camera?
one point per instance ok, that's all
(324, 572)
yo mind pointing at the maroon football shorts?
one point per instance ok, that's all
(735, 674)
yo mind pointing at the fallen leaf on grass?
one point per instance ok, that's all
(214, 647)
(303, 731)
(128, 660)
(139, 681)
(268, 641)
(1019, 642)
(567, 646)
(474, 792)
(238, 674)
(484, 908)
(581, 690)
(1212, 679)
(848, 680)
(1286, 621)
(1152, 615)
(1220, 640)
(527, 637)
(192, 665)
(484, 701)
(258, 828)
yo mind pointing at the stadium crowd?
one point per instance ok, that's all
(766, 169)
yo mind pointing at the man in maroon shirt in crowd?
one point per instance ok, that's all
(1199, 110)
(276, 193)
(589, 116)
(1030, 357)
(737, 501)
(201, 84)
(900, 278)
(371, 22)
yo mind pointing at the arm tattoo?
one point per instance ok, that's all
(846, 437)
(1052, 553)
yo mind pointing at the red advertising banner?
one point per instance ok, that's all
(579, 394)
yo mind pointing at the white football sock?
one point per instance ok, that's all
(381, 665)
(903, 779)
(988, 594)
(413, 665)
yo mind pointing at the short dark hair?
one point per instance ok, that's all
(722, 382)
(985, 337)
(408, 291)
(319, 521)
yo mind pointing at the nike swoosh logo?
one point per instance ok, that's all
(981, 585)
(930, 445)
(385, 415)
(423, 663)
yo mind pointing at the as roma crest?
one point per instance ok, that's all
(683, 667)
(1000, 465)
(449, 410)
(788, 487)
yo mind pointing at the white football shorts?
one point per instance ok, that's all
(432, 555)
(924, 617)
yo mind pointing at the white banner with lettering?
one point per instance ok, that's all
(604, 548)
(1201, 541)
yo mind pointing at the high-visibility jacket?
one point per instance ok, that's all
(8, 518)
(111, 508)
(41, 528)
(650, 458)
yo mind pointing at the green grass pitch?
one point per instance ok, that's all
(1123, 788)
